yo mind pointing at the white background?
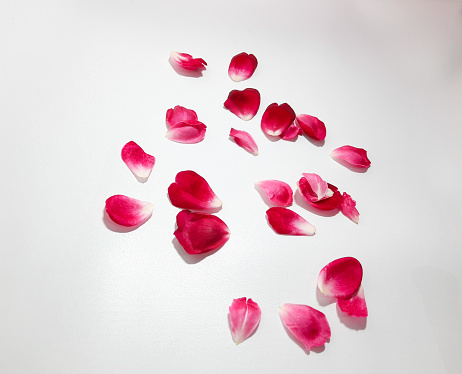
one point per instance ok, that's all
(79, 79)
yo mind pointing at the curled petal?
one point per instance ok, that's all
(352, 155)
(242, 66)
(325, 204)
(356, 306)
(307, 324)
(277, 118)
(180, 114)
(139, 162)
(243, 104)
(341, 278)
(200, 233)
(244, 139)
(312, 126)
(292, 132)
(314, 188)
(244, 315)
(187, 61)
(286, 222)
(126, 211)
(279, 193)
(191, 191)
(348, 208)
(188, 133)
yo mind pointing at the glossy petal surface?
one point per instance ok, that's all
(341, 278)
(352, 155)
(277, 118)
(312, 126)
(279, 193)
(244, 139)
(180, 114)
(242, 66)
(313, 188)
(355, 306)
(139, 162)
(188, 133)
(244, 315)
(243, 104)
(187, 61)
(286, 222)
(127, 211)
(348, 208)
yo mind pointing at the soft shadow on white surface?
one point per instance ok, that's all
(353, 168)
(354, 323)
(111, 225)
(191, 259)
(324, 300)
(298, 198)
(316, 143)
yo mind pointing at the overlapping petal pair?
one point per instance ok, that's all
(184, 126)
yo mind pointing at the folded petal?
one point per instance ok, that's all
(187, 61)
(242, 66)
(277, 118)
(314, 188)
(352, 155)
(292, 132)
(139, 162)
(355, 306)
(307, 324)
(310, 192)
(243, 104)
(341, 278)
(279, 193)
(312, 126)
(286, 222)
(244, 315)
(180, 114)
(200, 233)
(244, 139)
(188, 133)
(348, 208)
(191, 191)
(126, 211)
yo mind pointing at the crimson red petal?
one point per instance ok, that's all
(243, 104)
(352, 155)
(292, 132)
(127, 211)
(286, 222)
(242, 66)
(348, 208)
(341, 278)
(180, 114)
(312, 126)
(279, 193)
(326, 204)
(277, 118)
(355, 306)
(139, 162)
(188, 133)
(187, 61)
(244, 315)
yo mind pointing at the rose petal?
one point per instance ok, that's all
(242, 66)
(352, 155)
(348, 208)
(244, 139)
(200, 233)
(292, 132)
(307, 324)
(277, 118)
(180, 114)
(279, 193)
(188, 133)
(355, 306)
(313, 188)
(286, 222)
(243, 104)
(341, 278)
(191, 191)
(187, 61)
(126, 211)
(244, 315)
(312, 126)
(139, 162)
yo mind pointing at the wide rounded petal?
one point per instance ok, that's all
(277, 118)
(127, 211)
(348, 208)
(286, 222)
(244, 139)
(313, 188)
(312, 126)
(188, 133)
(187, 61)
(355, 306)
(352, 155)
(243, 104)
(244, 315)
(279, 193)
(139, 162)
(180, 114)
(242, 66)
(200, 233)
(307, 324)
(341, 278)
(292, 132)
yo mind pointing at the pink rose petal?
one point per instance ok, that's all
(314, 188)
(286, 222)
(244, 139)
(126, 211)
(200, 233)
(244, 315)
(279, 193)
(187, 61)
(243, 104)
(352, 155)
(139, 162)
(277, 118)
(307, 324)
(292, 132)
(188, 133)
(341, 278)
(312, 126)
(180, 114)
(242, 66)
(355, 306)
(348, 208)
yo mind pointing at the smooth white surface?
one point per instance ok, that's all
(79, 79)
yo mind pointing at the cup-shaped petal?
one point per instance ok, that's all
(139, 162)
(355, 306)
(279, 193)
(187, 61)
(244, 139)
(348, 208)
(188, 133)
(243, 104)
(314, 188)
(286, 222)
(244, 315)
(127, 211)
(180, 114)
(352, 155)
(341, 278)
(277, 118)
(242, 66)
(312, 126)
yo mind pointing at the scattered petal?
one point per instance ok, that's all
(187, 61)
(356, 306)
(243, 104)
(312, 126)
(242, 66)
(277, 118)
(200, 233)
(279, 193)
(314, 188)
(244, 139)
(341, 278)
(126, 211)
(188, 133)
(139, 162)
(348, 208)
(352, 155)
(286, 222)
(244, 315)
(292, 132)
(307, 324)
(180, 114)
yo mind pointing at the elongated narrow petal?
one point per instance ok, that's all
(292, 132)
(341, 278)
(307, 324)
(279, 193)
(242, 66)
(244, 139)
(200, 233)
(348, 208)
(244, 315)
(277, 118)
(314, 188)
(286, 222)
(355, 306)
(243, 104)
(188, 133)
(312, 126)
(139, 162)
(352, 155)
(180, 114)
(187, 61)
(191, 191)
(127, 211)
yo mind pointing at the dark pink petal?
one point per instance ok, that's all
(348, 208)
(312, 126)
(325, 204)
(279, 193)
(341, 278)
(356, 306)
(292, 132)
(242, 66)
(180, 114)
(191, 191)
(277, 118)
(244, 315)
(187, 61)
(243, 104)
(313, 188)
(126, 211)
(188, 133)
(354, 156)
(307, 324)
(138, 161)
(286, 222)
(244, 139)
(200, 233)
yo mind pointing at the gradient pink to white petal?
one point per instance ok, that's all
(355, 306)
(127, 211)
(180, 114)
(312, 126)
(244, 316)
(244, 140)
(341, 278)
(352, 155)
(277, 192)
(139, 162)
(286, 222)
(186, 61)
(316, 188)
(187, 133)
(348, 208)
(244, 104)
(242, 66)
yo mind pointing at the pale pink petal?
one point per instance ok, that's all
(126, 211)
(180, 114)
(200, 233)
(352, 155)
(341, 278)
(312, 126)
(188, 133)
(292, 132)
(243, 104)
(242, 66)
(244, 139)
(307, 324)
(187, 61)
(277, 118)
(355, 306)
(139, 162)
(279, 193)
(286, 222)
(314, 188)
(244, 315)
(348, 208)
(191, 191)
